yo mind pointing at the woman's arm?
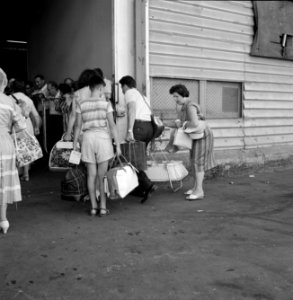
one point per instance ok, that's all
(71, 121)
(114, 132)
(77, 130)
(36, 119)
(192, 117)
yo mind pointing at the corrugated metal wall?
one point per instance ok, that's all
(211, 40)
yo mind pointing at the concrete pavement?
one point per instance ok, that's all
(235, 244)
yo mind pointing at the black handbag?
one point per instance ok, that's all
(158, 126)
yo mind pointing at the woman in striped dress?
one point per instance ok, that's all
(201, 154)
(10, 115)
(95, 116)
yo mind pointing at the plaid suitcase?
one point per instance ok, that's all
(74, 184)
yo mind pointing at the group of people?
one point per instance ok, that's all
(88, 117)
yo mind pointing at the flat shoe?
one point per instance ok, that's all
(193, 197)
(189, 192)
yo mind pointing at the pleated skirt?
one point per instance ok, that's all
(10, 190)
(202, 152)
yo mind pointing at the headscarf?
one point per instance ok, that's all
(3, 81)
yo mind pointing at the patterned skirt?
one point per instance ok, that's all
(202, 154)
(10, 191)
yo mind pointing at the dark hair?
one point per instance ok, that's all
(64, 88)
(53, 84)
(95, 81)
(179, 89)
(85, 77)
(30, 83)
(17, 86)
(99, 72)
(129, 81)
(39, 76)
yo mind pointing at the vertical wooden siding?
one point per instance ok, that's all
(211, 40)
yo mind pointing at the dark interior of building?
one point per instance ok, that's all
(14, 34)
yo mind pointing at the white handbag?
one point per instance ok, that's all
(167, 171)
(121, 180)
(182, 139)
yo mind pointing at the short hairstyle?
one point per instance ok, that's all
(179, 89)
(53, 84)
(95, 81)
(18, 86)
(64, 88)
(129, 81)
(40, 76)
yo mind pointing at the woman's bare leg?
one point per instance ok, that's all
(102, 169)
(91, 183)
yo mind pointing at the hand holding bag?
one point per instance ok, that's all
(60, 155)
(27, 148)
(122, 179)
(182, 139)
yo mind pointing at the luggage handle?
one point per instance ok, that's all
(120, 162)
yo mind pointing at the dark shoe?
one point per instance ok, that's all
(149, 193)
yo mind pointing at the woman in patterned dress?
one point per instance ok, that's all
(31, 115)
(201, 154)
(10, 115)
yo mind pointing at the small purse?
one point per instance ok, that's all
(27, 148)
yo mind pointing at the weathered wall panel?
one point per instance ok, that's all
(211, 40)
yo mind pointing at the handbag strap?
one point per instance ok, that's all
(17, 101)
(149, 107)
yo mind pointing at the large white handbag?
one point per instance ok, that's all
(167, 171)
(182, 139)
(121, 180)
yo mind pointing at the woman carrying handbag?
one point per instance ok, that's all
(201, 153)
(10, 116)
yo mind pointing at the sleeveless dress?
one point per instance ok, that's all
(201, 154)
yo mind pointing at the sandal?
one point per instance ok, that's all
(104, 212)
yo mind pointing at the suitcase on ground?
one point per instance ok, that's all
(74, 184)
(135, 153)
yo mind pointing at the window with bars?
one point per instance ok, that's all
(162, 101)
(221, 99)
